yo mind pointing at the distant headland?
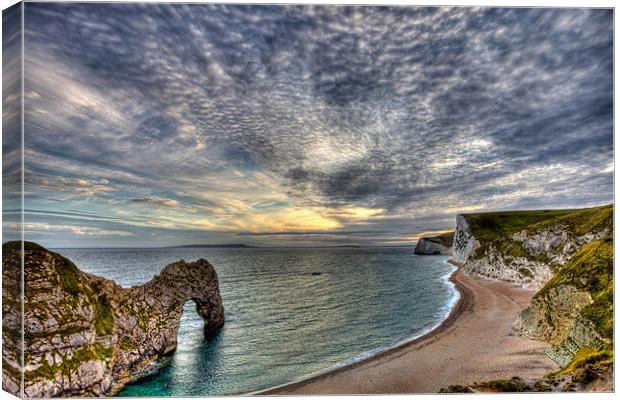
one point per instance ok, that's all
(226, 246)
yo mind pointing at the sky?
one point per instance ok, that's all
(171, 124)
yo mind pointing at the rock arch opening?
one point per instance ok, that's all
(191, 323)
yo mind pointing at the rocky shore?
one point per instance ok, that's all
(85, 335)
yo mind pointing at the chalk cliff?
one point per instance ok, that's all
(526, 247)
(441, 244)
(574, 310)
(567, 255)
(85, 335)
(465, 243)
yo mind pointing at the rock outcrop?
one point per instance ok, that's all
(531, 255)
(434, 245)
(426, 247)
(555, 317)
(497, 265)
(86, 336)
(465, 243)
(574, 310)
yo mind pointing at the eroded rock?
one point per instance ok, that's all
(529, 257)
(86, 336)
(465, 243)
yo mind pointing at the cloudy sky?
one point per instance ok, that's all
(155, 125)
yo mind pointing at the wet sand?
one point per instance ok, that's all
(474, 344)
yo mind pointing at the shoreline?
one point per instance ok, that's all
(392, 370)
(463, 302)
(358, 358)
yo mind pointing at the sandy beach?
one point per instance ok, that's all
(474, 344)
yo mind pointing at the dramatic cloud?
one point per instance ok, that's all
(309, 124)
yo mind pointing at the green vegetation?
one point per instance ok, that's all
(489, 227)
(68, 273)
(587, 365)
(512, 385)
(69, 365)
(456, 389)
(104, 316)
(585, 357)
(591, 269)
(143, 315)
(69, 276)
(126, 344)
(445, 239)
(44, 371)
(496, 228)
(103, 353)
(80, 356)
(513, 248)
(503, 385)
(8, 369)
(77, 292)
(582, 221)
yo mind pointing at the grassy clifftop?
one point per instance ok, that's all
(497, 228)
(489, 227)
(445, 239)
(581, 221)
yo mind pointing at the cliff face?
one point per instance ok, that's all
(530, 256)
(465, 243)
(566, 255)
(86, 336)
(427, 247)
(574, 310)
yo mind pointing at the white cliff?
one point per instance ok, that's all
(464, 243)
(529, 257)
(427, 246)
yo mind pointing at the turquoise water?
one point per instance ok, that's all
(283, 322)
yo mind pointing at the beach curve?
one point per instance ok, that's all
(474, 343)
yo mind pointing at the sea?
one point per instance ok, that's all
(290, 313)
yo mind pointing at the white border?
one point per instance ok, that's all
(486, 3)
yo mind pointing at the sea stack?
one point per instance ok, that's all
(83, 334)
